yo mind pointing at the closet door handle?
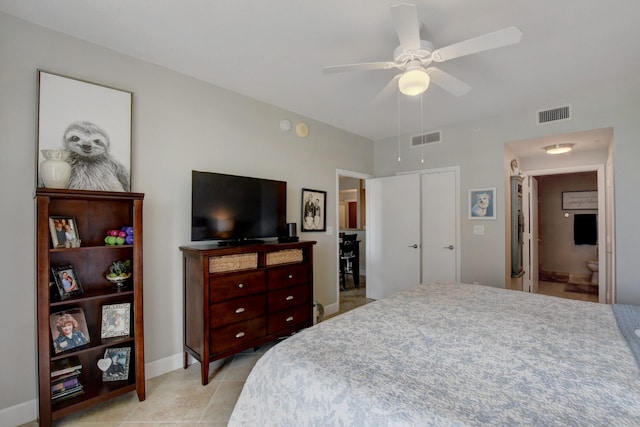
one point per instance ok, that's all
(450, 247)
(414, 246)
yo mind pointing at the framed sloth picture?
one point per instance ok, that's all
(89, 126)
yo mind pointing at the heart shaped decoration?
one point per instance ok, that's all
(104, 364)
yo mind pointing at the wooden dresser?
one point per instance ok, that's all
(241, 297)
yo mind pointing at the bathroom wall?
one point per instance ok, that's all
(558, 253)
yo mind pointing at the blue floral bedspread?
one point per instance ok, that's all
(450, 355)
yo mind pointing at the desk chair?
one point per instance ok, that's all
(347, 256)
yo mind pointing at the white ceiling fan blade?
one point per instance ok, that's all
(364, 66)
(447, 82)
(388, 90)
(405, 20)
(500, 38)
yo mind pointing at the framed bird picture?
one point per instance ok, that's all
(84, 130)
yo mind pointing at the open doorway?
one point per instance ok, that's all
(563, 196)
(566, 235)
(351, 208)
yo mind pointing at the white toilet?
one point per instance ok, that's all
(592, 264)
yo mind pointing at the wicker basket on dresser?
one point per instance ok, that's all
(241, 297)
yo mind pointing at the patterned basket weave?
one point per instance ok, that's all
(219, 264)
(283, 257)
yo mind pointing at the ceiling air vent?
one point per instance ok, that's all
(554, 115)
(427, 138)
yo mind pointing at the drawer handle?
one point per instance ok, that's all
(239, 334)
(291, 276)
(241, 285)
(289, 319)
(240, 310)
(289, 298)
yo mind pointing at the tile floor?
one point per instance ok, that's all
(176, 399)
(557, 289)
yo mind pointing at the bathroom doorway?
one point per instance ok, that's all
(584, 174)
(567, 244)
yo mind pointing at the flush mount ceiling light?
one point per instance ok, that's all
(558, 148)
(415, 80)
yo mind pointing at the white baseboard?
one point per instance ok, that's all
(19, 414)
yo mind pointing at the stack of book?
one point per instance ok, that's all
(65, 379)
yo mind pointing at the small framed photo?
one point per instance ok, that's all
(69, 330)
(116, 320)
(482, 203)
(314, 208)
(66, 280)
(64, 233)
(118, 369)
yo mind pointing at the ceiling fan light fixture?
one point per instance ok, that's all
(414, 81)
(558, 148)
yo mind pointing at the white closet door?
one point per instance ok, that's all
(393, 234)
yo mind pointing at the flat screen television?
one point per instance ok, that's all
(236, 209)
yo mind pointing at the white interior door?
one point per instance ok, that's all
(530, 235)
(393, 234)
(439, 226)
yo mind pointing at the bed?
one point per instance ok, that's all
(453, 355)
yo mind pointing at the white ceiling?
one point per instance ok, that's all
(274, 51)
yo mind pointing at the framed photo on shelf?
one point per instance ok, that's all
(64, 232)
(69, 330)
(92, 121)
(118, 369)
(482, 203)
(66, 280)
(116, 320)
(314, 208)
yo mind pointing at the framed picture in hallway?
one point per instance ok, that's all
(314, 207)
(482, 203)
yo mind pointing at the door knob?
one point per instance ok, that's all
(414, 246)
(450, 247)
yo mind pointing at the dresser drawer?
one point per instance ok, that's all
(236, 285)
(288, 318)
(288, 297)
(236, 335)
(237, 310)
(283, 277)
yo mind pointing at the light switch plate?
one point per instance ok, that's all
(329, 230)
(478, 230)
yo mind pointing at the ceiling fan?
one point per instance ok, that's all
(414, 56)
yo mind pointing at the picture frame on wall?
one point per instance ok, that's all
(64, 232)
(66, 280)
(87, 126)
(116, 320)
(69, 330)
(314, 208)
(482, 203)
